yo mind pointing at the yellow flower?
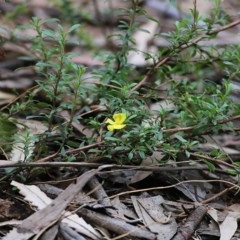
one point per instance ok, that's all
(119, 119)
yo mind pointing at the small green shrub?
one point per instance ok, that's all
(185, 68)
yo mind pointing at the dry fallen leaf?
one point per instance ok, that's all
(52, 212)
(149, 161)
(153, 216)
(230, 223)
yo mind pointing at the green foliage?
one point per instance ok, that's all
(7, 130)
(20, 9)
(61, 76)
(196, 100)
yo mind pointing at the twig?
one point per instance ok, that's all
(179, 129)
(163, 60)
(51, 213)
(18, 97)
(186, 231)
(72, 151)
(69, 233)
(172, 186)
(116, 225)
(99, 192)
(113, 166)
(217, 195)
(223, 28)
(218, 161)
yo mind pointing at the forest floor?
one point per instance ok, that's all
(59, 195)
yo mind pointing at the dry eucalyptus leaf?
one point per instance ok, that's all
(154, 216)
(230, 223)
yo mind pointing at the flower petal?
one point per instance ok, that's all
(110, 121)
(110, 127)
(118, 126)
(119, 118)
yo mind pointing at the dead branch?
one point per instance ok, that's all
(186, 231)
(116, 225)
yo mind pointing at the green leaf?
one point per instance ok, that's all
(142, 154)
(112, 139)
(7, 128)
(180, 138)
(130, 155)
(50, 20)
(211, 166)
(232, 172)
(49, 33)
(120, 148)
(73, 28)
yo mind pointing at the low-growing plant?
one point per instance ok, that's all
(128, 129)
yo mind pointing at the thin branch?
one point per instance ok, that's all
(161, 61)
(179, 129)
(71, 151)
(223, 28)
(154, 168)
(174, 185)
(218, 195)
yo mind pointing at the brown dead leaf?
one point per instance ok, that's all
(149, 161)
(50, 214)
(5, 205)
(153, 216)
(230, 223)
(7, 96)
